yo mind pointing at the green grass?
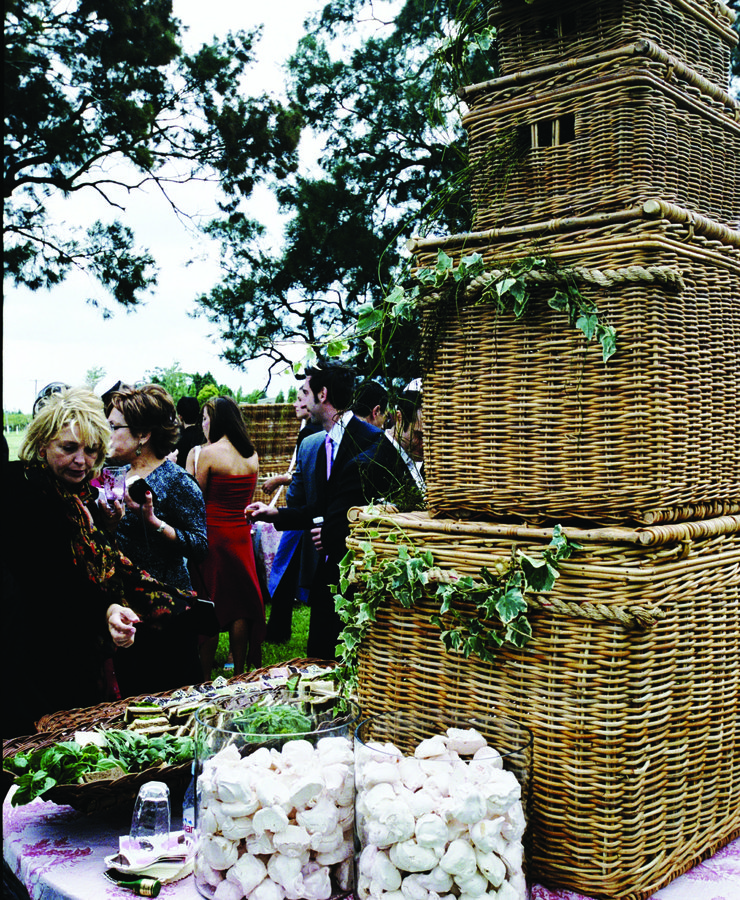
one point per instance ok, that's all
(14, 439)
(272, 654)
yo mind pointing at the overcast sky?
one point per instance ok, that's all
(55, 336)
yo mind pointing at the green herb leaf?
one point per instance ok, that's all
(540, 574)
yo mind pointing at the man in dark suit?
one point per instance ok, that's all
(188, 412)
(371, 403)
(391, 470)
(328, 393)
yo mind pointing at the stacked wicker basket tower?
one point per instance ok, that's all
(273, 429)
(610, 147)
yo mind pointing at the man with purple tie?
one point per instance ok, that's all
(328, 393)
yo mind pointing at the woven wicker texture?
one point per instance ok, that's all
(523, 418)
(636, 775)
(602, 133)
(273, 429)
(102, 795)
(698, 32)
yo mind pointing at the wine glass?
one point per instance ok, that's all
(113, 480)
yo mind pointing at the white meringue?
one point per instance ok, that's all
(408, 856)
(466, 741)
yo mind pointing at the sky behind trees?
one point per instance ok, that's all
(56, 336)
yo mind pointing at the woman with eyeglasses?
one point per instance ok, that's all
(162, 527)
(69, 595)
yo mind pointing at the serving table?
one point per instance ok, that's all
(57, 853)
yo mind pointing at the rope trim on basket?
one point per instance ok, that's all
(630, 616)
(602, 277)
(605, 278)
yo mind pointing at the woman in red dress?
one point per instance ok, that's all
(226, 468)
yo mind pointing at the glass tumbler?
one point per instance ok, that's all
(150, 824)
(441, 803)
(113, 480)
(275, 795)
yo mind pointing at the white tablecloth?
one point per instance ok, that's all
(57, 853)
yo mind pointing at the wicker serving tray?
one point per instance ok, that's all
(698, 32)
(630, 685)
(122, 792)
(602, 133)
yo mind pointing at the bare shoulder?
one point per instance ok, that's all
(224, 459)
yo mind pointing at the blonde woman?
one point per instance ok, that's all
(69, 595)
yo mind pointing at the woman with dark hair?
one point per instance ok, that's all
(162, 528)
(226, 469)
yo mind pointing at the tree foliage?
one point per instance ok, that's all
(392, 162)
(90, 84)
(93, 376)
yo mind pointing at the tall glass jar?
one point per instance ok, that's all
(275, 796)
(441, 805)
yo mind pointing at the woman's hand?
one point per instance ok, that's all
(272, 484)
(144, 510)
(121, 624)
(111, 514)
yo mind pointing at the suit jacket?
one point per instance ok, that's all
(385, 476)
(324, 498)
(303, 492)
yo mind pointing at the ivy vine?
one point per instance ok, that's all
(499, 596)
(507, 288)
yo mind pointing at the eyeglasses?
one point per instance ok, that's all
(117, 427)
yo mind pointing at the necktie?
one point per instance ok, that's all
(329, 444)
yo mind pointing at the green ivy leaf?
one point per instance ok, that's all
(519, 292)
(607, 337)
(348, 558)
(518, 632)
(510, 604)
(587, 323)
(540, 574)
(504, 285)
(396, 295)
(452, 639)
(560, 543)
(488, 604)
(424, 276)
(337, 347)
(474, 263)
(558, 301)
(404, 309)
(444, 263)
(369, 318)
(371, 344)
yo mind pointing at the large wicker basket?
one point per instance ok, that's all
(523, 418)
(698, 32)
(273, 428)
(602, 133)
(630, 684)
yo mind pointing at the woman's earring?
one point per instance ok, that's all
(138, 450)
